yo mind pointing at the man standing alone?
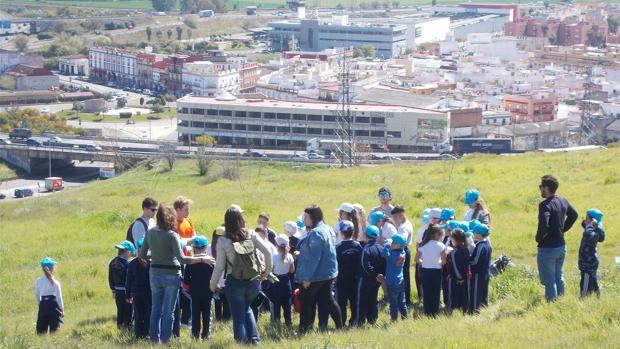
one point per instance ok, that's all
(555, 217)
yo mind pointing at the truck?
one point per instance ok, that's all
(54, 183)
(107, 172)
(206, 13)
(324, 146)
(481, 145)
(251, 11)
(23, 133)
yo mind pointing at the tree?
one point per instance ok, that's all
(21, 43)
(612, 24)
(191, 22)
(204, 158)
(8, 82)
(179, 33)
(158, 34)
(367, 50)
(545, 29)
(141, 100)
(169, 33)
(189, 33)
(374, 4)
(121, 103)
(149, 33)
(395, 4)
(164, 5)
(157, 108)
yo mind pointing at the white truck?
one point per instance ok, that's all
(54, 183)
(324, 146)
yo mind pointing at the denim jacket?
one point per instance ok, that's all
(317, 255)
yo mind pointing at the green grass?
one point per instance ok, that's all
(72, 114)
(7, 172)
(79, 228)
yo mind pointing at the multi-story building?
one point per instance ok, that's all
(174, 83)
(558, 32)
(275, 123)
(204, 79)
(160, 75)
(26, 77)
(113, 64)
(144, 70)
(9, 58)
(73, 65)
(531, 107)
(312, 35)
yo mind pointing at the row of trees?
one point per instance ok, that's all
(189, 6)
(159, 34)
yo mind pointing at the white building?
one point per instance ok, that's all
(274, 123)
(488, 45)
(202, 78)
(73, 65)
(112, 64)
(419, 30)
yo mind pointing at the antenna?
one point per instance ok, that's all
(344, 118)
(586, 124)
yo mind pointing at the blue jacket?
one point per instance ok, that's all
(197, 277)
(588, 256)
(372, 261)
(317, 256)
(459, 264)
(393, 271)
(481, 257)
(137, 283)
(348, 253)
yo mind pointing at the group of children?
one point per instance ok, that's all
(451, 257)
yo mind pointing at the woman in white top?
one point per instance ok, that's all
(431, 255)
(49, 298)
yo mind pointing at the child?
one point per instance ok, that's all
(348, 253)
(459, 271)
(447, 214)
(48, 294)
(372, 264)
(281, 291)
(446, 240)
(418, 269)
(480, 260)
(394, 255)
(464, 226)
(593, 233)
(117, 277)
(432, 256)
(138, 290)
(197, 278)
(292, 231)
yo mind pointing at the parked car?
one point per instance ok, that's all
(31, 142)
(130, 122)
(20, 133)
(23, 192)
(315, 156)
(254, 154)
(92, 147)
(5, 141)
(2, 196)
(298, 157)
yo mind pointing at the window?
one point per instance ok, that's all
(226, 112)
(225, 126)
(254, 128)
(269, 129)
(254, 114)
(329, 118)
(299, 117)
(314, 118)
(284, 129)
(269, 115)
(362, 133)
(329, 131)
(240, 114)
(211, 112)
(362, 119)
(299, 130)
(284, 116)
(212, 125)
(240, 127)
(394, 134)
(184, 110)
(314, 131)
(198, 124)
(377, 120)
(377, 134)
(198, 111)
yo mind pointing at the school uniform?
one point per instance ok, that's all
(589, 260)
(280, 293)
(406, 229)
(479, 285)
(431, 275)
(51, 307)
(138, 287)
(458, 279)
(395, 282)
(372, 264)
(198, 277)
(117, 277)
(445, 273)
(348, 255)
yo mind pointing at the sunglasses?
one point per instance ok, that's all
(153, 209)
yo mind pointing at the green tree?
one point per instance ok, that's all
(158, 34)
(612, 24)
(149, 33)
(141, 100)
(169, 33)
(164, 5)
(21, 43)
(179, 33)
(367, 50)
(204, 158)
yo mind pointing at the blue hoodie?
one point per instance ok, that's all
(393, 271)
(317, 255)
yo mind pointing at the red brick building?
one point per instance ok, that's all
(558, 32)
(534, 107)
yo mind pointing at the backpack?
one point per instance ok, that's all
(246, 265)
(129, 236)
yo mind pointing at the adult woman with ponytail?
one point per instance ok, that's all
(347, 212)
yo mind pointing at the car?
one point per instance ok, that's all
(130, 122)
(4, 141)
(146, 92)
(92, 147)
(315, 156)
(2, 196)
(20, 133)
(298, 157)
(254, 154)
(23, 192)
(31, 142)
(447, 157)
(54, 139)
(46, 110)
(393, 158)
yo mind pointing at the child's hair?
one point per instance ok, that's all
(49, 274)
(430, 233)
(459, 236)
(283, 251)
(347, 234)
(388, 219)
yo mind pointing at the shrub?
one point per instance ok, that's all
(125, 115)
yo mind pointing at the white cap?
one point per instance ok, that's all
(346, 207)
(435, 213)
(235, 207)
(358, 207)
(282, 240)
(290, 227)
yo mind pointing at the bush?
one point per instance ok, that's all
(125, 115)
(44, 36)
(153, 117)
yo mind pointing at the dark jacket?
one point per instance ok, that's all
(481, 258)
(198, 277)
(137, 283)
(372, 261)
(555, 217)
(458, 264)
(588, 257)
(348, 255)
(117, 273)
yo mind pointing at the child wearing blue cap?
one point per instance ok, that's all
(372, 264)
(348, 253)
(447, 227)
(459, 272)
(593, 233)
(117, 277)
(48, 294)
(394, 255)
(197, 278)
(138, 290)
(480, 260)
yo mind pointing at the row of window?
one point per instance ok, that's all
(278, 116)
(284, 129)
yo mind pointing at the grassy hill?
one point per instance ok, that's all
(79, 228)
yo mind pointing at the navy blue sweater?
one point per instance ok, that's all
(117, 273)
(198, 277)
(555, 217)
(348, 254)
(481, 258)
(588, 256)
(372, 261)
(459, 263)
(137, 283)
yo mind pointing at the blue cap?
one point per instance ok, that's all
(595, 214)
(375, 217)
(452, 224)
(140, 242)
(481, 229)
(126, 245)
(372, 231)
(425, 219)
(399, 239)
(426, 212)
(471, 196)
(300, 224)
(48, 262)
(473, 223)
(346, 226)
(200, 242)
(446, 214)
(464, 226)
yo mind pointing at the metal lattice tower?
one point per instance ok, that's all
(346, 147)
(586, 124)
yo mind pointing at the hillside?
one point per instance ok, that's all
(79, 228)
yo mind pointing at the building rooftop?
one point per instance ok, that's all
(28, 70)
(396, 97)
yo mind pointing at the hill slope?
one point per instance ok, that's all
(79, 228)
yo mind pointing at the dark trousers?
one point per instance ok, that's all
(458, 294)
(478, 291)
(318, 292)
(186, 308)
(141, 314)
(49, 317)
(368, 307)
(280, 294)
(445, 285)
(407, 275)
(431, 283)
(222, 311)
(201, 314)
(589, 283)
(124, 310)
(346, 293)
(418, 281)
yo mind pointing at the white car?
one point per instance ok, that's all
(46, 110)
(5, 141)
(54, 139)
(92, 147)
(315, 156)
